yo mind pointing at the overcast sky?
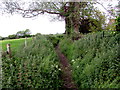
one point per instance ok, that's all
(41, 24)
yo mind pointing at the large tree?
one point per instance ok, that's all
(72, 12)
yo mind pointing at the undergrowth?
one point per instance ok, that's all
(34, 66)
(95, 59)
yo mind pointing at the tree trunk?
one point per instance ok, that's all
(72, 19)
(76, 17)
(68, 26)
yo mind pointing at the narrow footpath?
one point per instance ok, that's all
(66, 71)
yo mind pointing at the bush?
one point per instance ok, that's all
(34, 66)
(95, 59)
(54, 39)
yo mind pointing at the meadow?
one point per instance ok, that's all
(15, 43)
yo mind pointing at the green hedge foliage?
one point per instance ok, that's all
(55, 39)
(95, 59)
(34, 66)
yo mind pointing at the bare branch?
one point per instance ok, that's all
(34, 12)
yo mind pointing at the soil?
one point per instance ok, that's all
(66, 76)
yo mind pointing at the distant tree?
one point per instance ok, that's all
(37, 34)
(20, 33)
(27, 33)
(4, 38)
(12, 36)
(0, 37)
(24, 33)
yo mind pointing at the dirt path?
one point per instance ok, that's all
(67, 74)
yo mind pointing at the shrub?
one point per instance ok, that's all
(55, 39)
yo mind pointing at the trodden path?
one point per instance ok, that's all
(67, 74)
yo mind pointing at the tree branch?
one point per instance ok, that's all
(38, 11)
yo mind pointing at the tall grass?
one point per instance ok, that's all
(95, 59)
(34, 66)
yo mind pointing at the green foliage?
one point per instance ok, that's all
(118, 23)
(92, 24)
(27, 32)
(55, 39)
(66, 47)
(12, 36)
(23, 34)
(34, 66)
(95, 59)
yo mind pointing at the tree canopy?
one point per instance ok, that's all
(74, 13)
(24, 33)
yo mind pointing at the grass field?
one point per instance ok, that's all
(15, 43)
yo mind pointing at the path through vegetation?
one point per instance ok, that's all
(66, 71)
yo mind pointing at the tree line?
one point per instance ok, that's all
(19, 34)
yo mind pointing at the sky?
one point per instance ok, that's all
(11, 24)
(41, 24)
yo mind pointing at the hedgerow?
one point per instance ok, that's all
(95, 59)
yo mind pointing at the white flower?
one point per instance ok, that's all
(59, 69)
(73, 60)
(77, 66)
(56, 66)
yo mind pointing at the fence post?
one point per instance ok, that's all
(0, 66)
(9, 50)
(25, 41)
